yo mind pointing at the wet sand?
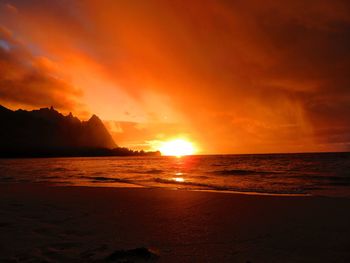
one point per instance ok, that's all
(41, 223)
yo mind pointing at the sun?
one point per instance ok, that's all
(177, 147)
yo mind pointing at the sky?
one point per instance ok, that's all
(231, 76)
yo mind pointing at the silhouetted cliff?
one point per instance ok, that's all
(46, 132)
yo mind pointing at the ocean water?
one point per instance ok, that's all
(325, 174)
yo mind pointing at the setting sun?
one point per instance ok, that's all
(178, 147)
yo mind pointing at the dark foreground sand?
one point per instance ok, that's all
(83, 224)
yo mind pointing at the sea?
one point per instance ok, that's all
(317, 174)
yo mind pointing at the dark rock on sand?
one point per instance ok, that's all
(132, 255)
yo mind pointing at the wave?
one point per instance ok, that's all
(204, 186)
(53, 177)
(6, 179)
(106, 179)
(241, 172)
(150, 171)
(329, 180)
(60, 169)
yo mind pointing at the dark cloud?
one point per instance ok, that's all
(31, 81)
(312, 47)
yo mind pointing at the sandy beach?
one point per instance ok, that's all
(41, 223)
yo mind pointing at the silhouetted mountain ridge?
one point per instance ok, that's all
(46, 132)
(48, 129)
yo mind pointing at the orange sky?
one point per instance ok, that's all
(231, 76)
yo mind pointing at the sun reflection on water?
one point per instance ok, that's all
(179, 179)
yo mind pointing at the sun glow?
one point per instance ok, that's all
(178, 148)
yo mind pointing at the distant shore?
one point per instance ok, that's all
(74, 152)
(97, 224)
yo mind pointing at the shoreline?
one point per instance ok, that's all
(137, 186)
(200, 190)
